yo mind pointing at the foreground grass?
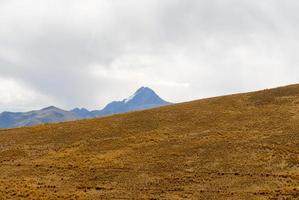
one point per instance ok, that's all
(243, 146)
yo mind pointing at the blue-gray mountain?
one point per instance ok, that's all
(143, 98)
(46, 115)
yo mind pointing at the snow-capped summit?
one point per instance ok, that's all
(143, 98)
(130, 98)
(140, 90)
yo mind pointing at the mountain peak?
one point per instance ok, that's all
(81, 112)
(50, 108)
(143, 98)
(141, 92)
(143, 89)
(80, 109)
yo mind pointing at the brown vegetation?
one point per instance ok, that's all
(243, 146)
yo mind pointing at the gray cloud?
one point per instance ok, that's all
(87, 53)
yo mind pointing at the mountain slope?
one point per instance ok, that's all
(47, 115)
(242, 146)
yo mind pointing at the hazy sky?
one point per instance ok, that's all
(86, 53)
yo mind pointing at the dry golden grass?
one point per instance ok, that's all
(243, 146)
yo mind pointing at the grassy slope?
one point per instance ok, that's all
(243, 146)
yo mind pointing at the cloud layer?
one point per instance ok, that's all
(88, 52)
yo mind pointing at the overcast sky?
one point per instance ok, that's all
(86, 53)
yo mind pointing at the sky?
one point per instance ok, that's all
(86, 53)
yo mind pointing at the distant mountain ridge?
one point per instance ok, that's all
(143, 98)
(46, 115)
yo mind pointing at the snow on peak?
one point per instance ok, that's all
(140, 90)
(130, 98)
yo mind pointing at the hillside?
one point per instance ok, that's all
(242, 146)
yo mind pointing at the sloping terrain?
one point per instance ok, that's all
(243, 146)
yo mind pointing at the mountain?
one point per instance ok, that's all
(242, 146)
(81, 112)
(46, 115)
(143, 98)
